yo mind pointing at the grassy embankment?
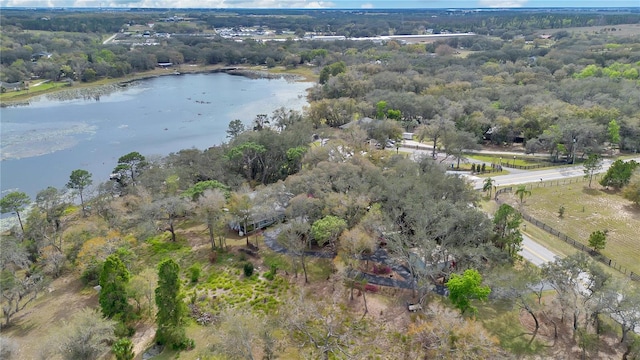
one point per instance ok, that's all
(522, 160)
(551, 242)
(500, 318)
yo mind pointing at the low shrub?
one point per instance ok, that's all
(123, 330)
(184, 344)
(277, 260)
(161, 245)
(248, 269)
(194, 272)
(269, 276)
(91, 273)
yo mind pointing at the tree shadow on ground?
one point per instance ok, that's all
(591, 191)
(633, 210)
(512, 334)
(609, 191)
(19, 328)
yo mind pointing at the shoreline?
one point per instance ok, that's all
(108, 85)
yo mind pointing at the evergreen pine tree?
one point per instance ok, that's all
(171, 308)
(113, 293)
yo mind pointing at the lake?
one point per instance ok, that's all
(41, 143)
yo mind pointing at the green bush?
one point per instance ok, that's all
(162, 245)
(248, 269)
(276, 260)
(91, 274)
(123, 349)
(123, 330)
(194, 272)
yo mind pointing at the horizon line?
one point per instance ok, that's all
(327, 8)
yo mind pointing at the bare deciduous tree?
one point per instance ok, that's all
(321, 324)
(576, 279)
(211, 210)
(18, 286)
(241, 334)
(86, 336)
(295, 238)
(168, 210)
(444, 334)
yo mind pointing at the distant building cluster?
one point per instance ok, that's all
(239, 33)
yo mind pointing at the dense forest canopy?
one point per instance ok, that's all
(511, 83)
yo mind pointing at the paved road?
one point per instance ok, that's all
(411, 144)
(535, 253)
(109, 39)
(515, 176)
(530, 176)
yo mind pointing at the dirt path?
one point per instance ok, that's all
(63, 299)
(39, 83)
(142, 339)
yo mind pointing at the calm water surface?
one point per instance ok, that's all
(46, 140)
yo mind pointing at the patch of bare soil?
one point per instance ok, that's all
(197, 236)
(394, 314)
(32, 327)
(565, 346)
(545, 330)
(143, 339)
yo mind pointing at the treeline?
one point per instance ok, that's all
(83, 57)
(73, 21)
(351, 23)
(570, 96)
(566, 97)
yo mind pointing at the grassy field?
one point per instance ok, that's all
(33, 91)
(588, 210)
(542, 237)
(307, 73)
(621, 30)
(522, 160)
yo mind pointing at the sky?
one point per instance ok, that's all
(335, 4)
